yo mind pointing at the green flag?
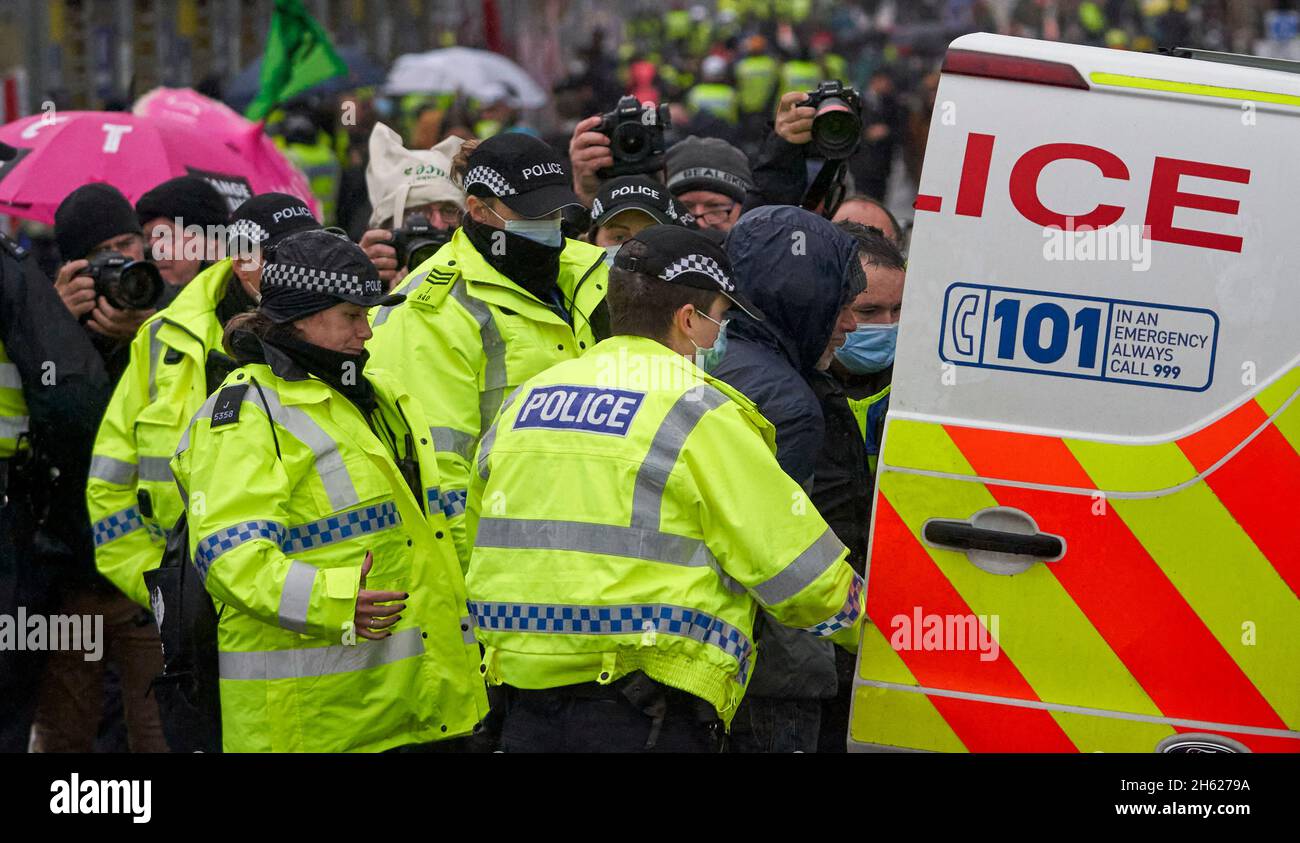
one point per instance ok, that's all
(298, 55)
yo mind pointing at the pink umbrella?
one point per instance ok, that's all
(59, 152)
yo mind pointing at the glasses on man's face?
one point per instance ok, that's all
(711, 213)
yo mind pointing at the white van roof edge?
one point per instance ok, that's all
(1090, 60)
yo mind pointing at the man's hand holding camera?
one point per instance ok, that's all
(794, 122)
(378, 246)
(589, 152)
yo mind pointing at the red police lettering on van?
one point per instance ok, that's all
(1163, 199)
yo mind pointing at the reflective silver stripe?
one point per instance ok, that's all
(9, 377)
(494, 350)
(295, 598)
(452, 441)
(467, 629)
(414, 281)
(111, 470)
(156, 469)
(329, 462)
(11, 427)
(690, 407)
(605, 539)
(800, 573)
(155, 347)
(320, 661)
(490, 438)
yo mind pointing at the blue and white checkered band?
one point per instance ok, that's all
(487, 176)
(596, 209)
(702, 264)
(320, 280)
(246, 228)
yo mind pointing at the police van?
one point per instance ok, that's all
(1086, 524)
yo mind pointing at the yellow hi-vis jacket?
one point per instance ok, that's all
(279, 528)
(13, 406)
(467, 335)
(628, 513)
(130, 494)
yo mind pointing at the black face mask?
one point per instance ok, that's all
(530, 264)
(331, 367)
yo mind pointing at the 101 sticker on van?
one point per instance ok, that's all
(1072, 336)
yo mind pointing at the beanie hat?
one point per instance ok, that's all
(397, 177)
(696, 163)
(90, 215)
(190, 198)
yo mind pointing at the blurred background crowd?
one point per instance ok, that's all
(720, 66)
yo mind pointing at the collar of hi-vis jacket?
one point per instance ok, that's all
(297, 386)
(578, 263)
(184, 323)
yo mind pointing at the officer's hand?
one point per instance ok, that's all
(794, 124)
(372, 619)
(118, 324)
(77, 293)
(588, 152)
(375, 243)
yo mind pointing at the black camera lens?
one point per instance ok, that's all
(836, 128)
(631, 142)
(139, 286)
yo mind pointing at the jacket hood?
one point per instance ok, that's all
(799, 269)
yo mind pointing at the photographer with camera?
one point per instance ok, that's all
(105, 282)
(415, 205)
(627, 141)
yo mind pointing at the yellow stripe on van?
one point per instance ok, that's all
(1091, 733)
(1274, 396)
(895, 718)
(923, 445)
(1117, 80)
(1216, 568)
(1134, 468)
(1039, 621)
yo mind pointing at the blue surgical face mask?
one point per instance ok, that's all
(708, 358)
(869, 349)
(545, 230)
(610, 252)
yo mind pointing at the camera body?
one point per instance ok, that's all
(417, 240)
(837, 125)
(126, 284)
(636, 138)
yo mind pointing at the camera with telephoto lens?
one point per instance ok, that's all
(417, 240)
(837, 125)
(126, 284)
(636, 138)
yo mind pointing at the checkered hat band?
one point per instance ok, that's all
(698, 263)
(299, 277)
(247, 228)
(491, 179)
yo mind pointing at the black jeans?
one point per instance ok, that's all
(596, 718)
(770, 724)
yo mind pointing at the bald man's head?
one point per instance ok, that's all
(866, 211)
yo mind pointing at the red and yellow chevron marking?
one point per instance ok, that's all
(1179, 605)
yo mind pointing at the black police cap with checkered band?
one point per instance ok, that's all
(523, 172)
(683, 256)
(315, 270)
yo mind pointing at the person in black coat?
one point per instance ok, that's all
(803, 272)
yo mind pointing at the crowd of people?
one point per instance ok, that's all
(506, 450)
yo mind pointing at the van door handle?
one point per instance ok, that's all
(962, 535)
